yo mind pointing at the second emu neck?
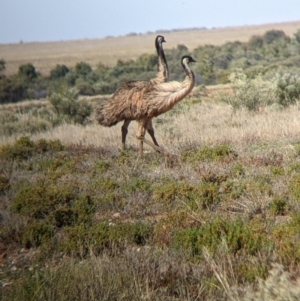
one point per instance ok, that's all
(170, 93)
(187, 86)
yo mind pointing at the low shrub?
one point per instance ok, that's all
(37, 233)
(69, 108)
(80, 239)
(286, 237)
(239, 236)
(287, 88)
(279, 205)
(138, 184)
(23, 148)
(248, 93)
(208, 195)
(4, 183)
(170, 190)
(39, 199)
(214, 153)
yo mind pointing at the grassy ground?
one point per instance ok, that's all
(82, 220)
(45, 56)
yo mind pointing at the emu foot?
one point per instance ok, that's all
(157, 148)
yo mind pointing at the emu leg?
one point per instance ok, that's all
(141, 134)
(142, 125)
(124, 130)
(141, 151)
(150, 130)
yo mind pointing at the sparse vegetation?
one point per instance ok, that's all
(261, 57)
(83, 204)
(220, 220)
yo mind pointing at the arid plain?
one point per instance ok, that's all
(82, 220)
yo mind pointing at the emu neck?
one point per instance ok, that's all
(168, 94)
(187, 86)
(163, 70)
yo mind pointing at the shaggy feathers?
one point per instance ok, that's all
(143, 100)
(147, 100)
(120, 105)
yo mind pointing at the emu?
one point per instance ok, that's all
(144, 101)
(122, 95)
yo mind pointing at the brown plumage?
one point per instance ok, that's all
(145, 101)
(109, 118)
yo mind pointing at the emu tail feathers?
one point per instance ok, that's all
(104, 116)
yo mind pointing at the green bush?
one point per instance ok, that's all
(24, 148)
(21, 149)
(239, 236)
(170, 190)
(59, 71)
(138, 184)
(43, 145)
(238, 170)
(297, 36)
(232, 189)
(39, 200)
(80, 240)
(214, 153)
(84, 88)
(79, 211)
(208, 195)
(287, 88)
(37, 233)
(27, 71)
(249, 93)
(255, 42)
(286, 238)
(222, 60)
(259, 184)
(12, 89)
(273, 35)
(83, 209)
(58, 205)
(69, 108)
(82, 69)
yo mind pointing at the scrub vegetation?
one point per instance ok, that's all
(219, 220)
(262, 55)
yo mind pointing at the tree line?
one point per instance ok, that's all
(267, 54)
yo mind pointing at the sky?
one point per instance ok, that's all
(56, 20)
